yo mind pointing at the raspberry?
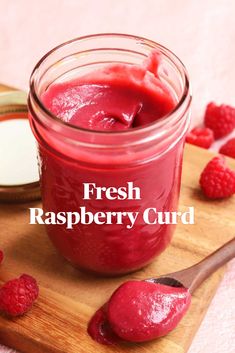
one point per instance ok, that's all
(228, 148)
(200, 136)
(18, 295)
(1, 256)
(220, 119)
(217, 180)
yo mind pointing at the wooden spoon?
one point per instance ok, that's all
(193, 276)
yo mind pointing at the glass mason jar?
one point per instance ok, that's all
(149, 156)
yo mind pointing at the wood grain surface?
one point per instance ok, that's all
(58, 321)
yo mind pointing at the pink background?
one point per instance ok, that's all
(200, 32)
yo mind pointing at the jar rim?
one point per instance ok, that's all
(164, 120)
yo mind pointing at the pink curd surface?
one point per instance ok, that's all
(201, 32)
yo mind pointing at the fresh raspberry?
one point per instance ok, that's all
(18, 295)
(228, 148)
(217, 180)
(220, 119)
(200, 136)
(1, 256)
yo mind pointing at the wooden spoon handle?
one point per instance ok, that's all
(193, 276)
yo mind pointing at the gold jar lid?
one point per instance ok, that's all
(19, 181)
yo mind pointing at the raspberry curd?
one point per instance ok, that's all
(110, 122)
(139, 311)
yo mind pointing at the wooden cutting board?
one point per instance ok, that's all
(68, 298)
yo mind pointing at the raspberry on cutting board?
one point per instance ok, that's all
(200, 136)
(1, 256)
(228, 148)
(18, 295)
(220, 119)
(217, 180)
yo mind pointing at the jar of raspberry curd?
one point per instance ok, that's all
(110, 113)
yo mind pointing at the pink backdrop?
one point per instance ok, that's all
(201, 32)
